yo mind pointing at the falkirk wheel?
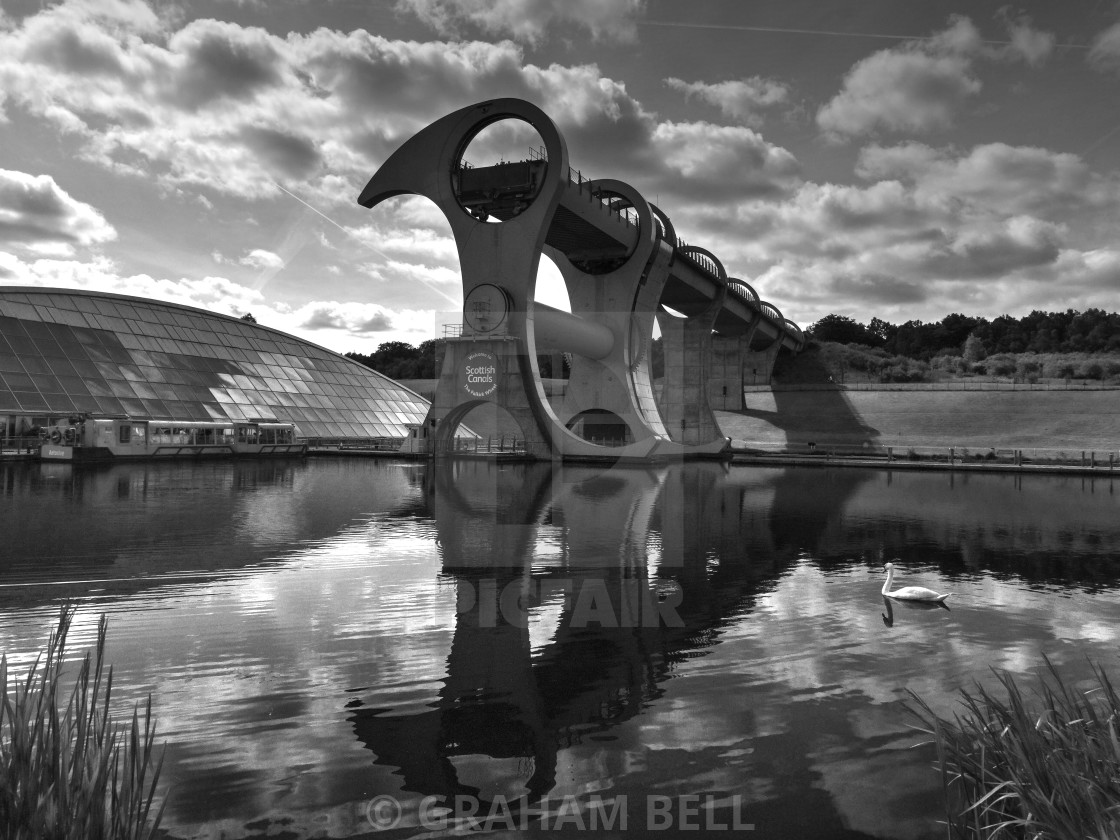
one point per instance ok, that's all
(624, 269)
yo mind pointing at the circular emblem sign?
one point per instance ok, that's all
(481, 373)
(485, 308)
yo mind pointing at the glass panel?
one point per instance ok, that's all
(110, 405)
(99, 353)
(49, 347)
(151, 374)
(37, 330)
(73, 385)
(143, 390)
(10, 363)
(35, 365)
(59, 402)
(119, 355)
(17, 381)
(98, 387)
(62, 367)
(29, 401)
(85, 368)
(23, 345)
(155, 408)
(107, 370)
(11, 326)
(121, 389)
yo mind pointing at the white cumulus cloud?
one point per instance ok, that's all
(36, 213)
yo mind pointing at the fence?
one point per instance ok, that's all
(19, 445)
(482, 446)
(954, 455)
(955, 385)
(380, 444)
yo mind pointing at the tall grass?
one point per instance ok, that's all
(1015, 769)
(68, 771)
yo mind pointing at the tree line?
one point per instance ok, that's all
(1091, 331)
(400, 360)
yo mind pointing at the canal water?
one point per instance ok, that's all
(346, 647)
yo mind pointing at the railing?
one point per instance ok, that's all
(954, 385)
(1098, 460)
(376, 444)
(491, 445)
(19, 444)
(452, 330)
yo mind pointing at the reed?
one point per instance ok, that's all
(1042, 767)
(68, 770)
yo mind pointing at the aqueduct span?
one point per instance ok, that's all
(624, 268)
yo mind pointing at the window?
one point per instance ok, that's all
(125, 433)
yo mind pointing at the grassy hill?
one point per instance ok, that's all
(1061, 419)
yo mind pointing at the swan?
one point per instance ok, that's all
(911, 593)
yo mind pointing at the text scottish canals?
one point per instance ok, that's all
(482, 374)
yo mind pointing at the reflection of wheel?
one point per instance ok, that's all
(43, 434)
(70, 434)
(56, 436)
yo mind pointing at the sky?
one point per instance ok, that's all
(869, 158)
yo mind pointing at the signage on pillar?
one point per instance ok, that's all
(485, 308)
(480, 373)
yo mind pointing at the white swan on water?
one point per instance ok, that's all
(910, 593)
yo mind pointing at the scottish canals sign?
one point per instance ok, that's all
(480, 373)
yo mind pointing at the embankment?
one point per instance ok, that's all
(1001, 419)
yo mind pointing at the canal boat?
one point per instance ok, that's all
(86, 438)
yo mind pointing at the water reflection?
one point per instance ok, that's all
(319, 633)
(918, 606)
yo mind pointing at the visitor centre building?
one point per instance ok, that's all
(65, 352)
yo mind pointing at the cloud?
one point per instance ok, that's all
(741, 100)
(917, 87)
(101, 274)
(350, 318)
(36, 213)
(213, 60)
(1105, 52)
(991, 228)
(920, 86)
(1002, 178)
(721, 162)
(1027, 43)
(327, 323)
(261, 259)
(529, 20)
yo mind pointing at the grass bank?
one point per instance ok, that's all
(978, 420)
(67, 769)
(1046, 766)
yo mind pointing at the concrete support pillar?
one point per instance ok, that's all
(684, 395)
(758, 365)
(480, 371)
(622, 300)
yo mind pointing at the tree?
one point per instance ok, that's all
(973, 350)
(883, 330)
(843, 330)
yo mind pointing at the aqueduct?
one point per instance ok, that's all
(625, 269)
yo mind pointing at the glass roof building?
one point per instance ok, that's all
(64, 352)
